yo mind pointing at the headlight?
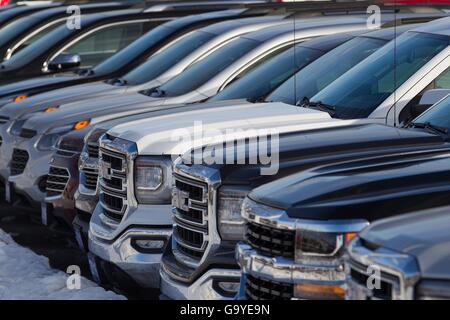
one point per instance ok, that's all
(312, 243)
(153, 180)
(231, 225)
(49, 140)
(16, 127)
(317, 247)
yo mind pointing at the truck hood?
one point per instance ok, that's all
(25, 86)
(174, 134)
(423, 235)
(372, 188)
(55, 98)
(96, 110)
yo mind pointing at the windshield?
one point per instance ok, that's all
(205, 69)
(265, 78)
(168, 57)
(132, 51)
(48, 28)
(316, 76)
(15, 29)
(359, 91)
(9, 14)
(439, 115)
(34, 50)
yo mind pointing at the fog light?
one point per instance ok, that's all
(150, 244)
(318, 291)
(229, 288)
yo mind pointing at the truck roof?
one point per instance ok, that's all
(438, 27)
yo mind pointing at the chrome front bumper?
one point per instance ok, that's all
(142, 267)
(202, 289)
(284, 270)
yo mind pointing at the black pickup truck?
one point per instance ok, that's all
(298, 226)
(411, 254)
(204, 236)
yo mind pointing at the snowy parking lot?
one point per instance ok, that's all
(36, 268)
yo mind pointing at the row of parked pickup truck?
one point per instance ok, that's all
(267, 151)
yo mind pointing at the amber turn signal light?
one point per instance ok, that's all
(20, 98)
(80, 125)
(318, 291)
(50, 109)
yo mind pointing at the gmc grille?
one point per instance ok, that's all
(113, 181)
(18, 162)
(270, 241)
(57, 181)
(191, 217)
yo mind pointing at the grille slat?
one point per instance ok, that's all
(56, 181)
(93, 150)
(270, 241)
(19, 162)
(3, 119)
(263, 289)
(90, 181)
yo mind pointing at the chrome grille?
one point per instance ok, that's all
(19, 162)
(270, 241)
(57, 181)
(190, 205)
(359, 275)
(263, 289)
(90, 178)
(113, 182)
(92, 150)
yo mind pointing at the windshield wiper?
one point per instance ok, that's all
(156, 92)
(431, 127)
(85, 72)
(318, 105)
(120, 82)
(257, 100)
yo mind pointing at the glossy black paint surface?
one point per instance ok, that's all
(424, 235)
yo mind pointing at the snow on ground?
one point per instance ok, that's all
(26, 275)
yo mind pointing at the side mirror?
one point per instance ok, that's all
(429, 98)
(64, 61)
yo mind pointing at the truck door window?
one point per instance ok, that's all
(103, 43)
(409, 112)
